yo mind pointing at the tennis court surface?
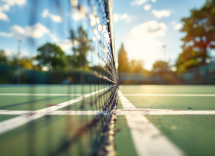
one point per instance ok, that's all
(176, 129)
(151, 120)
(54, 119)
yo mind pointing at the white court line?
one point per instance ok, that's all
(148, 140)
(28, 94)
(13, 112)
(3, 112)
(25, 118)
(169, 94)
(126, 104)
(118, 112)
(163, 112)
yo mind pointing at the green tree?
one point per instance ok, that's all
(123, 64)
(52, 56)
(160, 66)
(81, 48)
(136, 66)
(3, 57)
(200, 37)
(24, 62)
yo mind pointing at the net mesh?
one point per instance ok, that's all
(70, 98)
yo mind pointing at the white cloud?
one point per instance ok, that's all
(3, 16)
(5, 7)
(34, 31)
(17, 31)
(79, 14)
(150, 29)
(54, 18)
(74, 2)
(15, 2)
(3, 34)
(129, 20)
(147, 7)
(37, 30)
(177, 26)
(64, 44)
(138, 2)
(144, 42)
(173, 22)
(123, 17)
(53, 37)
(161, 13)
(153, 0)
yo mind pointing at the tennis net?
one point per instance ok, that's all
(65, 67)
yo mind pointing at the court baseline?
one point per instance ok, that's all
(169, 94)
(118, 112)
(27, 94)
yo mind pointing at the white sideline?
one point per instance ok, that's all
(163, 112)
(25, 118)
(118, 112)
(169, 94)
(6, 112)
(28, 94)
(148, 140)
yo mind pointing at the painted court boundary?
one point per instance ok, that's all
(169, 94)
(27, 94)
(148, 140)
(25, 118)
(35, 94)
(118, 112)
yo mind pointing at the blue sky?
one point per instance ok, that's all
(17, 22)
(46, 21)
(144, 26)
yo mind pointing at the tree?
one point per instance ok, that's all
(160, 66)
(3, 57)
(24, 62)
(52, 56)
(123, 64)
(200, 37)
(81, 49)
(136, 66)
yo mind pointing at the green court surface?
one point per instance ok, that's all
(36, 138)
(31, 102)
(167, 89)
(171, 102)
(65, 135)
(179, 103)
(86, 104)
(5, 117)
(51, 135)
(50, 89)
(36, 102)
(193, 134)
(123, 139)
